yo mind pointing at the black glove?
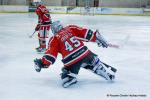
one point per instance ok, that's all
(38, 64)
(100, 40)
(37, 27)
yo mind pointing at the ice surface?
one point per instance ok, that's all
(19, 81)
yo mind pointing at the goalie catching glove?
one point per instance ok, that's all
(39, 65)
(100, 40)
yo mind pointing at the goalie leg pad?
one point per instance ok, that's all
(68, 78)
(103, 70)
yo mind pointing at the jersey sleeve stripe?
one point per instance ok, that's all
(49, 58)
(46, 15)
(89, 35)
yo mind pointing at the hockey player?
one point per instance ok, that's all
(43, 26)
(68, 41)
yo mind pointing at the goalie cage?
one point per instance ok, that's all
(87, 10)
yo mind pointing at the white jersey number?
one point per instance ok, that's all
(76, 43)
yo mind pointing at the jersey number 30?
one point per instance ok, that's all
(76, 43)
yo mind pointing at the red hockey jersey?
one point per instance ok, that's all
(69, 43)
(44, 20)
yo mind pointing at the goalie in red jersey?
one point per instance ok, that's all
(68, 41)
(43, 26)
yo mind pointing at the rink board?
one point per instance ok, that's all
(77, 10)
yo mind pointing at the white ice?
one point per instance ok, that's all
(19, 81)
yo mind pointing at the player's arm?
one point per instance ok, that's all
(51, 53)
(49, 56)
(46, 19)
(80, 32)
(88, 35)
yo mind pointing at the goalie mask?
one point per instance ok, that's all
(56, 27)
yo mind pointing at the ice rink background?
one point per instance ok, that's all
(19, 81)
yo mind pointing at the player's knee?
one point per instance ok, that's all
(96, 63)
(42, 42)
(89, 67)
(64, 73)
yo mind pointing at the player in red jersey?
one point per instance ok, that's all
(68, 41)
(43, 26)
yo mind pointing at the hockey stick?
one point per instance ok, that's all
(124, 42)
(32, 34)
(109, 44)
(113, 45)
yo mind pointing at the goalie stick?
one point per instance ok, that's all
(109, 44)
(113, 45)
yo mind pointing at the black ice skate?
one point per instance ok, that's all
(40, 50)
